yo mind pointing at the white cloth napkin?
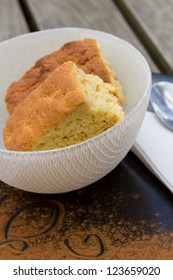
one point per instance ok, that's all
(154, 147)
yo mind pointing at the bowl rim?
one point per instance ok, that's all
(104, 133)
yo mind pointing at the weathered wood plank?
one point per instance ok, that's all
(156, 19)
(102, 15)
(12, 21)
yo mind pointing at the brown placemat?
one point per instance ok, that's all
(126, 215)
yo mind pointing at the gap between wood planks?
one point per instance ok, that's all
(151, 48)
(32, 24)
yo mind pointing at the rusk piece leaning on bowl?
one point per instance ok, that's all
(67, 108)
(87, 56)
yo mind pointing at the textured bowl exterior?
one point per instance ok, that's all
(76, 166)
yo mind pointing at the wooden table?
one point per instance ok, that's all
(129, 213)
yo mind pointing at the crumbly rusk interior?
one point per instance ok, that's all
(67, 108)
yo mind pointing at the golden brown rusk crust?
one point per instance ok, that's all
(67, 108)
(86, 55)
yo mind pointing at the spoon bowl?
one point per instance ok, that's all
(162, 102)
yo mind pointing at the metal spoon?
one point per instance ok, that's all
(162, 102)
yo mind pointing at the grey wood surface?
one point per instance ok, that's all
(156, 18)
(98, 14)
(12, 21)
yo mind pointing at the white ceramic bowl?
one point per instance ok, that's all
(76, 166)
